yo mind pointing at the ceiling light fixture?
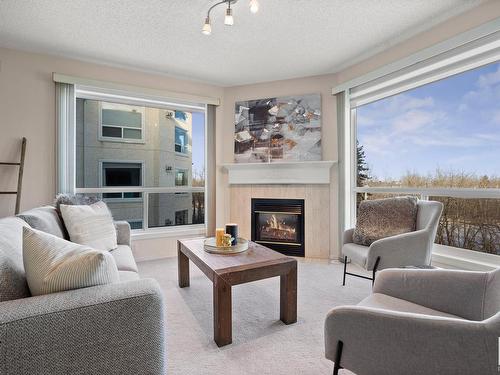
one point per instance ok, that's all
(228, 19)
(254, 6)
(207, 28)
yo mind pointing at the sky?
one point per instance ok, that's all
(452, 124)
(198, 146)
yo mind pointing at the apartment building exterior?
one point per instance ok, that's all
(127, 145)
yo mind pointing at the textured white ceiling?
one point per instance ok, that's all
(285, 39)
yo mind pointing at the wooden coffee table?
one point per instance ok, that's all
(257, 263)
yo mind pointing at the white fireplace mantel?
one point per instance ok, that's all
(307, 172)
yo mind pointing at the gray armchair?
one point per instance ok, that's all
(418, 322)
(407, 249)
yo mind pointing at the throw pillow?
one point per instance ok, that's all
(46, 219)
(53, 264)
(74, 199)
(90, 225)
(381, 218)
(13, 283)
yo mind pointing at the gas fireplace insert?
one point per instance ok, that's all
(279, 224)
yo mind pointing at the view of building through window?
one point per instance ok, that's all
(120, 145)
(443, 135)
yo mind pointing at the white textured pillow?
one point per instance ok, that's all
(52, 264)
(90, 225)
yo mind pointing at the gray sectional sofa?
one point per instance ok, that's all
(108, 329)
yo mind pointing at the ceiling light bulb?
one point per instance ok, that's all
(207, 28)
(254, 6)
(229, 20)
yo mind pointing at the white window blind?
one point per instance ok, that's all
(470, 55)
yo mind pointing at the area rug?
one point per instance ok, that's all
(262, 344)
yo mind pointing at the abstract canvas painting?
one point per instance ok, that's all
(282, 129)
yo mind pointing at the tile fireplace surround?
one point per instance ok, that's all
(316, 211)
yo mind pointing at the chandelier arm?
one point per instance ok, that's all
(219, 3)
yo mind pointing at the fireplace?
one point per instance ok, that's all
(279, 224)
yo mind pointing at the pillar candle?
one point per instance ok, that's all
(232, 229)
(219, 236)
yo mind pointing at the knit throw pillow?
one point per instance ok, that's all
(90, 225)
(53, 264)
(74, 199)
(383, 218)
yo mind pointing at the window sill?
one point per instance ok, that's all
(122, 140)
(454, 257)
(169, 232)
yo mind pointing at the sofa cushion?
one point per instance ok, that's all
(385, 302)
(90, 225)
(124, 258)
(13, 283)
(128, 276)
(53, 264)
(381, 218)
(46, 219)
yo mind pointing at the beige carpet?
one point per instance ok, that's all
(262, 344)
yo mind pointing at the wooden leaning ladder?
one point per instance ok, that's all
(19, 177)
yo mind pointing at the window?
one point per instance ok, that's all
(181, 142)
(181, 177)
(181, 115)
(440, 141)
(145, 183)
(181, 217)
(121, 174)
(121, 122)
(135, 224)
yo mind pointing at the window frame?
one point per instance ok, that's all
(186, 175)
(348, 134)
(116, 161)
(136, 221)
(185, 147)
(103, 138)
(69, 88)
(186, 211)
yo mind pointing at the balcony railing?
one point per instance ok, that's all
(159, 207)
(424, 193)
(470, 218)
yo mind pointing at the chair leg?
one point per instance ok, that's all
(345, 269)
(375, 266)
(338, 355)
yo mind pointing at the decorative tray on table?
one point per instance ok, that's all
(211, 247)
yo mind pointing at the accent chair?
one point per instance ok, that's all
(419, 322)
(406, 249)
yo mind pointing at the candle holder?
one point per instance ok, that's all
(232, 230)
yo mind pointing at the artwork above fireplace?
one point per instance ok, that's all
(279, 224)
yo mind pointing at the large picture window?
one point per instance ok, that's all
(153, 181)
(439, 141)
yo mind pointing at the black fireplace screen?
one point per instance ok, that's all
(279, 224)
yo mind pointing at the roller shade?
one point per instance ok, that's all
(468, 56)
